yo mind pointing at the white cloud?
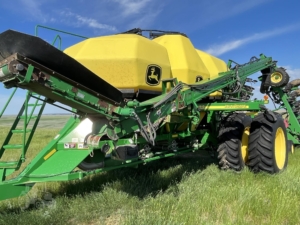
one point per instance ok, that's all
(33, 9)
(90, 22)
(131, 7)
(137, 13)
(100, 16)
(145, 20)
(293, 72)
(238, 7)
(44, 12)
(219, 49)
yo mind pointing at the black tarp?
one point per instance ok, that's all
(47, 55)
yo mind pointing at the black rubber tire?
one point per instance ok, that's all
(230, 141)
(290, 147)
(262, 144)
(263, 88)
(285, 78)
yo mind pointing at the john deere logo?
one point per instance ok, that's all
(153, 75)
(198, 79)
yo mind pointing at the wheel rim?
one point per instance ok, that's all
(276, 77)
(245, 141)
(280, 148)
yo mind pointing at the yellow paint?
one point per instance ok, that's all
(168, 129)
(213, 64)
(49, 154)
(276, 77)
(202, 107)
(245, 141)
(194, 127)
(280, 148)
(292, 148)
(252, 113)
(216, 94)
(185, 63)
(122, 60)
(183, 126)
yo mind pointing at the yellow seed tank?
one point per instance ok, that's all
(134, 63)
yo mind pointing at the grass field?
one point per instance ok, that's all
(182, 190)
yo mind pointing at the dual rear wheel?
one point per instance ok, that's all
(233, 138)
(261, 143)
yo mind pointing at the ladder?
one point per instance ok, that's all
(21, 126)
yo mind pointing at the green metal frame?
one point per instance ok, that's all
(43, 167)
(57, 37)
(8, 167)
(57, 30)
(182, 114)
(293, 129)
(8, 101)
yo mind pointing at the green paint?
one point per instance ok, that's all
(100, 124)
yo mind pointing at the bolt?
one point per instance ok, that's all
(19, 67)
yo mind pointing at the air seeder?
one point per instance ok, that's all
(136, 99)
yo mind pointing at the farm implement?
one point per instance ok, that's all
(135, 99)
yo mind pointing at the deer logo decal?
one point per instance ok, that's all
(153, 75)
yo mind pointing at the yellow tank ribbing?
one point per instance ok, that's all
(186, 65)
(124, 60)
(131, 61)
(213, 64)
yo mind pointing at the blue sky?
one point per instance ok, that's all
(228, 29)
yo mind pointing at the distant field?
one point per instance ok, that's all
(187, 190)
(47, 121)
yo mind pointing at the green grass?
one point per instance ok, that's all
(47, 121)
(181, 190)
